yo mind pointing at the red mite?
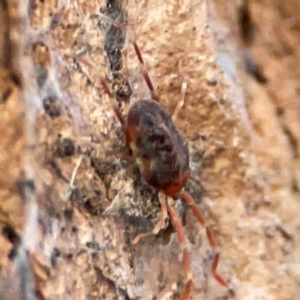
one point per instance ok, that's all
(163, 160)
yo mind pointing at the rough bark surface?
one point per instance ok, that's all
(69, 209)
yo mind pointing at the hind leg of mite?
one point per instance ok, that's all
(198, 214)
(185, 254)
(160, 223)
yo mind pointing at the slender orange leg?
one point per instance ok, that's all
(116, 110)
(113, 102)
(133, 41)
(128, 158)
(214, 266)
(181, 102)
(198, 214)
(143, 67)
(185, 255)
(160, 223)
(109, 93)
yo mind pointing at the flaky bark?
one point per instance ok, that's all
(68, 210)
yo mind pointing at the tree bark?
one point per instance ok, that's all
(70, 206)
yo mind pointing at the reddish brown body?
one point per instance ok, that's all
(161, 153)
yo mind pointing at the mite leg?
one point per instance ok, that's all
(116, 109)
(180, 103)
(143, 67)
(185, 255)
(198, 214)
(214, 266)
(161, 222)
(113, 101)
(128, 158)
(133, 41)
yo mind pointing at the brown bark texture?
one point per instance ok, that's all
(70, 205)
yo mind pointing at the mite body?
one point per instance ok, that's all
(160, 151)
